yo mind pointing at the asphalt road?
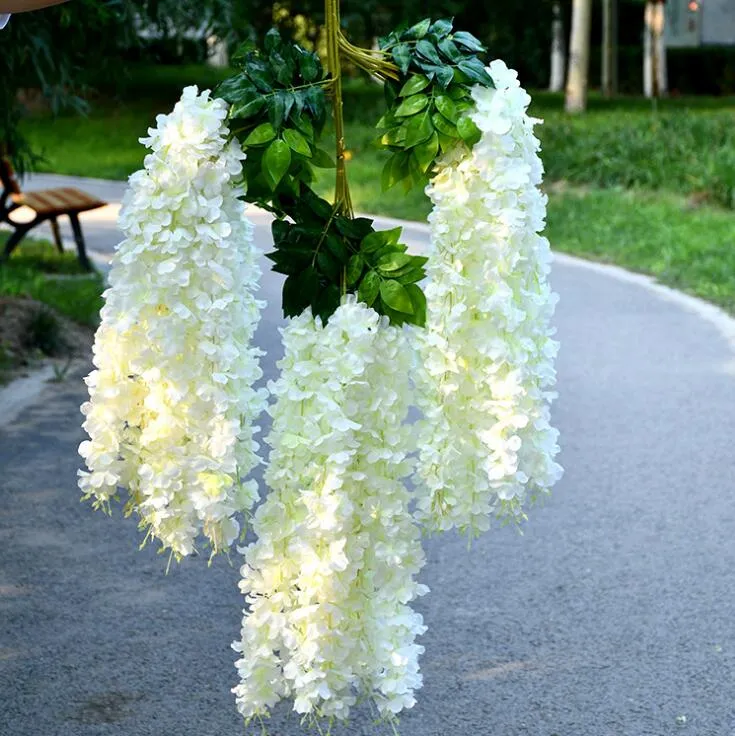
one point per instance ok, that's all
(613, 614)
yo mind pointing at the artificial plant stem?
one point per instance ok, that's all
(341, 192)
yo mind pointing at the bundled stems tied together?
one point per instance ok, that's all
(342, 200)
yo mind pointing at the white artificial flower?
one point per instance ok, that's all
(487, 355)
(329, 580)
(172, 403)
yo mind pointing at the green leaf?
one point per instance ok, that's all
(396, 296)
(328, 265)
(327, 302)
(417, 31)
(387, 249)
(428, 51)
(426, 152)
(444, 74)
(355, 228)
(402, 56)
(244, 110)
(309, 67)
(369, 288)
(261, 77)
(272, 40)
(354, 269)
(276, 160)
(418, 300)
(378, 238)
(457, 92)
(393, 262)
(235, 89)
(419, 130)
(304, 125)
(276, 110)
(280, 230)
(396, 318)
(319, 206)
(284, 69)
(412, 105)
(394, 137)
(288, 102)
(394, 171)
(315, 103)
(261, 135)
(338, 248)
(468, 131)
(441, 27)
(416, 83)
(411, 275)
(443, 126)
(474, 69)
(299, 291)
(296, 142)
(321, 159)
(387, 121)
(468, 41)
(450, 51)
(446, 107)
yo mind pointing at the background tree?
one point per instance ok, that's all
(654, 49)
(579, 56)
(47, 50)
(558, 50)
(609, 47)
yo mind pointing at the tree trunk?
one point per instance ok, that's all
(579, 56)
(655, 82)
(609, 47)
(558, 51)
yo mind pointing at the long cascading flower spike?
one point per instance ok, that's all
(172, 398)
(330, 578)
(487, 356)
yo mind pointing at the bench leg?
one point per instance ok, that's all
(79, 240)
(15, 238)
(57, 235)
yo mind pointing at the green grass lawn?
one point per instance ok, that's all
(38, 271)
(659, 234)
(684, 147)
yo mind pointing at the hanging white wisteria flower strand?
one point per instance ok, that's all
(172, 404)
(330, 578)
(487, 355)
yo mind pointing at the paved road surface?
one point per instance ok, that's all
(611, 616)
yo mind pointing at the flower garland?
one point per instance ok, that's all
(330, 577)
(172, 399)
(487, 355)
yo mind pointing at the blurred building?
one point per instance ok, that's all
(695, 23)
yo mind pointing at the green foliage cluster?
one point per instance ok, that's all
(45, 51)
(323, 250)
(428, 109)
(278, 112)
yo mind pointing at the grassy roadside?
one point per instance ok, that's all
(662, 158)
(689, 248)
(37, 271)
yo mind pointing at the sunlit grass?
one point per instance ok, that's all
(33, 271)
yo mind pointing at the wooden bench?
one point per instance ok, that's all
(47, 204)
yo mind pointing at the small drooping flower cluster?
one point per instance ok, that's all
(487, 354)
(330, 577)
(172, 403)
